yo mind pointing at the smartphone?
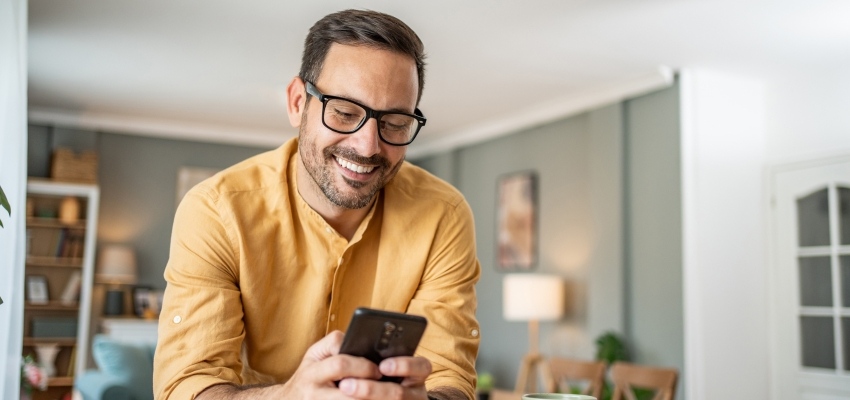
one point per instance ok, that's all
(377, 335)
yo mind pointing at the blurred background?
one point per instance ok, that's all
(669, 144)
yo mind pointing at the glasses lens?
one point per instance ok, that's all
(343, 115)
(398, 128)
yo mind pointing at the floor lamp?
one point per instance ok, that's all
(532, 298)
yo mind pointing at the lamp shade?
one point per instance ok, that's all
(116, 265)
(532, 297)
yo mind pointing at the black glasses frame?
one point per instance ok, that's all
(370, 113)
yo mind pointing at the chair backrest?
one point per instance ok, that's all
(626, 376)
(498, 394)
(563, 371)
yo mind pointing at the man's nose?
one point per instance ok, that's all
(366, 140)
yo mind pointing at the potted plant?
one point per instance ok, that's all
(484, 385)
(611, 347)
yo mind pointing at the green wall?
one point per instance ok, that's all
(654, 307)
(609, 223)
(578, 162)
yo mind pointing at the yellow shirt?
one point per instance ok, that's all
(254, 269)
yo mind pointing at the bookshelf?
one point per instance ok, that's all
(62, 254)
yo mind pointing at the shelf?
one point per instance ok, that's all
(53, 223)
(52, 306)
(60, 381)
(63, 341)
(61, 262)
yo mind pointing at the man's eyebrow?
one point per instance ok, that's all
(358, 101)
(397, 110)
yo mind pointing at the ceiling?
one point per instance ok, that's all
(215, 70)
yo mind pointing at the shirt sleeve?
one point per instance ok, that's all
(200, 327)
(446, 297)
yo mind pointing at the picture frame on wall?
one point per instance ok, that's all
(37, 289)
(516, 221)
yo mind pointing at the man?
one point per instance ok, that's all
(270, 257)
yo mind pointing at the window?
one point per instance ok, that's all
(823, 267)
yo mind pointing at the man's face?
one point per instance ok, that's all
(351, 168)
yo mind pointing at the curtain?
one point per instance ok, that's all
(13, 173)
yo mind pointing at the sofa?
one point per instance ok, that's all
(125, 371)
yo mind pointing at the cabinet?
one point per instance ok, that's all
(62, 255)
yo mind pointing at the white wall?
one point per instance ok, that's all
(807, 115)
(725, 282)
(13, 150)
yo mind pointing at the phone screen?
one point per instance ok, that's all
(377, 335)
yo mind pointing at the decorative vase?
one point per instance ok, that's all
(69, 210)
(47, 358)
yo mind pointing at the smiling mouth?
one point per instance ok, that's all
(360, 169)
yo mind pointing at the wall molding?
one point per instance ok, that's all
(160, 128)
(552, 110)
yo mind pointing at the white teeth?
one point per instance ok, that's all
(354, 167)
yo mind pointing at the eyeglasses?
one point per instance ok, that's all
(346, 116)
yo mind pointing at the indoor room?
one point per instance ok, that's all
(615, 199)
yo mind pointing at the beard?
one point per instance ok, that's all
(319, 164)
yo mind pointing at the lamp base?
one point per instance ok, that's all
(114, 304)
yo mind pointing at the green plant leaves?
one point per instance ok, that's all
(611, 347)
(4, 202)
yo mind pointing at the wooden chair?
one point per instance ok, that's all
(498, 394)
(562, 370)
(625, 375)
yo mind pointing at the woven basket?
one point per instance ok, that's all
(69, 167)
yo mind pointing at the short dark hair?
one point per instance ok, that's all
(360, 28)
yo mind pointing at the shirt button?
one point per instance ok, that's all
(474, 333)
(177, 319)
(329, 230)
(333, 317)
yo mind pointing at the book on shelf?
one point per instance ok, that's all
(71, 294)
(58, 243)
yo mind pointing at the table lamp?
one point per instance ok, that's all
(116, 266)
(532, 298)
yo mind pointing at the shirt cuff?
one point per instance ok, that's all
(191, 386)
(434, 382)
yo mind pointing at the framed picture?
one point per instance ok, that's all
(188, 177)
(37, 289)
(516, 219)
(141, 300)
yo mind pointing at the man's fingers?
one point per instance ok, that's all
(413, 369)
(365, 389)
(343, 366)
(327, 347)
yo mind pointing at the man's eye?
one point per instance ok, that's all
(343, 114)
(395, 127)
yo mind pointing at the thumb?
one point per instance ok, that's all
(327, 347)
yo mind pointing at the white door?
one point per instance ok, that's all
(810, 285)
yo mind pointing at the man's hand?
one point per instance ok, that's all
(323, 365)
(414, 370)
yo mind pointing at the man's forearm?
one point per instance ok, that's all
(446, 393)
(233, 392)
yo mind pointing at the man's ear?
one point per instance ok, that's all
(296, 101)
